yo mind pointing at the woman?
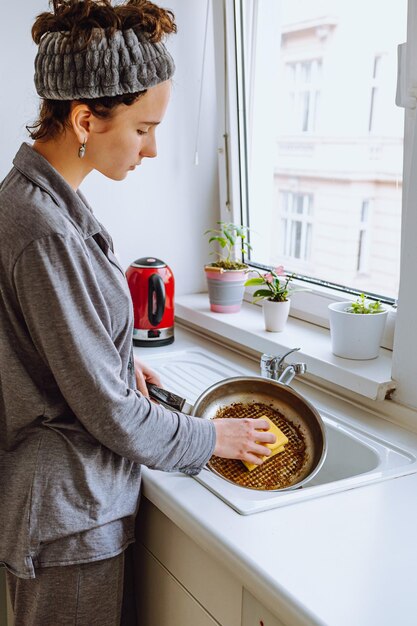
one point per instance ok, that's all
(76, 420)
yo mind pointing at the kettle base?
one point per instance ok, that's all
(147, 343)
(150, 337)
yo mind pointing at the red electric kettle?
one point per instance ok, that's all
(151, 284)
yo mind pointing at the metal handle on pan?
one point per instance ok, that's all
(166, 397)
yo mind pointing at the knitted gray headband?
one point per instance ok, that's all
(125, 62)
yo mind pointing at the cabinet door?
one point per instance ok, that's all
(162, 600)
(205, 578)
(254, 614)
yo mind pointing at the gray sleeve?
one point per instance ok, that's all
(58, 294)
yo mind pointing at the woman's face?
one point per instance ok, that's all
(119, 144)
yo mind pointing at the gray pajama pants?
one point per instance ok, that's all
(90, 594)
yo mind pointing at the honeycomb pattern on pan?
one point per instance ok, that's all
(282, 470)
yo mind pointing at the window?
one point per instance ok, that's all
(319, 111)
(374, 92)
(361, 228)
(363, 244)
(296, 225)
(302, 83)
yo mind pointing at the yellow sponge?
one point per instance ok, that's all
(276, 448)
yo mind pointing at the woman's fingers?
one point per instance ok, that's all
(242, 439)
(257, 448)
(144, 374)
(255, 458)
(263, 434)
(141, 382)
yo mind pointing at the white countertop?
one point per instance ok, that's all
(346, 559)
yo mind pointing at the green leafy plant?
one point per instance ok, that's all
(363, 307)
(229, 237)
(276, 285)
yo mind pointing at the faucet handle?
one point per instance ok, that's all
(282, 357)
(272, 366)
(269, 365)
(269, 359)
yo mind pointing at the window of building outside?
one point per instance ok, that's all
(296, 224)
(324, 138)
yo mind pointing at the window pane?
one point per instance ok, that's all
(324, 176)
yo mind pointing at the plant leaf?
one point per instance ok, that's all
(221, 240)
(254, 281)
(230, 237)
(262, 293)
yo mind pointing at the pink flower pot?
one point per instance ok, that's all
(225, 289)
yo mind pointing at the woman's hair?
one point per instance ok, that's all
(79, 18)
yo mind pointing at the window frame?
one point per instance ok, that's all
(312, 306)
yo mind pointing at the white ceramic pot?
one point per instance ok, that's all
(355, 335)
(275, 314)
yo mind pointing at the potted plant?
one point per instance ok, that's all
(274, 292)
(356, 328)
(226, 276)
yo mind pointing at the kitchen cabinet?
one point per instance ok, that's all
(195, 571)
(163, 600)
(177, 580)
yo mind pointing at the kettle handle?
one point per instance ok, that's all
(156, 288)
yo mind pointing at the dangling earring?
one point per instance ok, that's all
(81, 150)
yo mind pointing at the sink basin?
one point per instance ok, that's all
(355, 456)
(352, 454)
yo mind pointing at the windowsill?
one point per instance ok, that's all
(370, 379)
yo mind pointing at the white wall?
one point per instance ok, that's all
(163, 208)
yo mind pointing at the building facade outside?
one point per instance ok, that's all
(338, 149)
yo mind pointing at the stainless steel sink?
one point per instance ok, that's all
(353, 453)
(355, 456)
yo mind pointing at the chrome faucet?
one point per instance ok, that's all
(276, 368)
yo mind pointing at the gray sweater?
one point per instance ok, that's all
(73, 429)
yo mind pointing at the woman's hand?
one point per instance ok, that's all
(235, 438)
(242, 439)
(144, 374)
